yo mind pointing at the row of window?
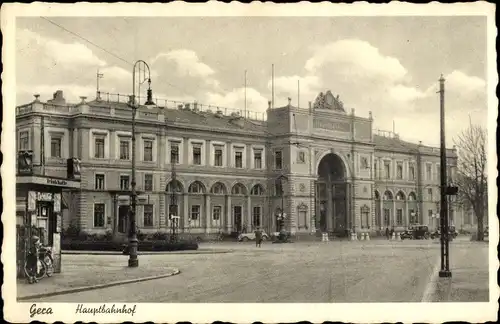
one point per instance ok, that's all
(194, 219)
(411, 171)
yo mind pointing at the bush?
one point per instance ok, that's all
(115, 246)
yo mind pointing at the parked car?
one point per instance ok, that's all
(452, 233)
(420, 232)
(407, 234)
(251, 236)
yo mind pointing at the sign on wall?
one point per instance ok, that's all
(57, 203)
(58, 223)
(31, 200)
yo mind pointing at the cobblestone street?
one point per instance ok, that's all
(376, 271)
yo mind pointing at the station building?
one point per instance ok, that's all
(322, 166)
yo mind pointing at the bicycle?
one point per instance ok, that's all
(39, 263)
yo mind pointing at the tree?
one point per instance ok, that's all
(472, 173)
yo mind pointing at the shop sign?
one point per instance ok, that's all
(44, 196)
(31, 200)
(57, 203)
(57, 182)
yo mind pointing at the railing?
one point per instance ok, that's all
(185, 105)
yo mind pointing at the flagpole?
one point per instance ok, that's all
(98, 93)
(245, 93)
(298, 93)
(272, 87)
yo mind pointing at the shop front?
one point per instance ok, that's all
(39, 207)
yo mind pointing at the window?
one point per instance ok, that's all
(24, 141)
(387, 169)
(429, 172)
(148, 215)
(365, 217)
(195, 219)
(438, 172)
(257, 159)
(413, 216)
(238, 189)
(174, 186)
(55, 147)
(256, 216)
(301, 157)
(375, 170)
(197, 155)
(124, 150)
(399, 217)
(364, 163)
(216, 213)
(173, 211)
(218, 157)
(257, 190)
(174, 153)
(399, 171)
(278, 188)
(148, 182)
(124, 182)
(429, 192)
(99, 148)
(99, 182)
(412, 172)
(218, 188)
(302, 218)
(148, 150)
(387, 214)
(99, 215)
(195, 187)
(278, 161)
(238, 159)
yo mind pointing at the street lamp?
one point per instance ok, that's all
(133, 242)
(282, 215)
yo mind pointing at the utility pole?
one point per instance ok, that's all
(99, 76)
(272, 87)
(443, 210)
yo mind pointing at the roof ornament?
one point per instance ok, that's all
(328, 101)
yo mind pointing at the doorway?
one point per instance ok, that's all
(237, 211)
(122, 218)
(46, 221)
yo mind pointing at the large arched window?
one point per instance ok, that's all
(196, 187)
(218, 188)
(412, 196)
(400, 196)
(174, 185)
(239, 189)
(388, 195)
(257, 190)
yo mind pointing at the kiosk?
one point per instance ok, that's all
(39, 205)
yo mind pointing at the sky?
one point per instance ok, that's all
(387, 65)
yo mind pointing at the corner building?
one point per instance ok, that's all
(336, 173)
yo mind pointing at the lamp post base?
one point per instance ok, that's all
(133, 263)
(444, 274)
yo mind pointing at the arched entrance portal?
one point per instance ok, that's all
(332, 196)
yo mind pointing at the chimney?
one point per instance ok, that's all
(58, 98)
(370, 116)
(310, 105)
(98, 97)
(269, 104)
(289, 101)
(352, 111)
(195, 106)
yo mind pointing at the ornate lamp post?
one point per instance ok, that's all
(133, 242)
(282, 215)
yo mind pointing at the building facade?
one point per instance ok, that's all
(322, 166)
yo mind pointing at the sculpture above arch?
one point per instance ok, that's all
(328, 101)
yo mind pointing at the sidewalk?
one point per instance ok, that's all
(84, 275)
(470, 275)
(199, 251)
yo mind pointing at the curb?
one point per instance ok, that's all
(99, 286)
(143, 253)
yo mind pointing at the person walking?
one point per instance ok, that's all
(258, 237)
(387, 234)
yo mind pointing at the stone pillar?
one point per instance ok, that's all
(185, 203)
(381, 215)
(393, 216)
(329, 208)
(249, 214)
(407, 216)
(208, 217)
(229, 207)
